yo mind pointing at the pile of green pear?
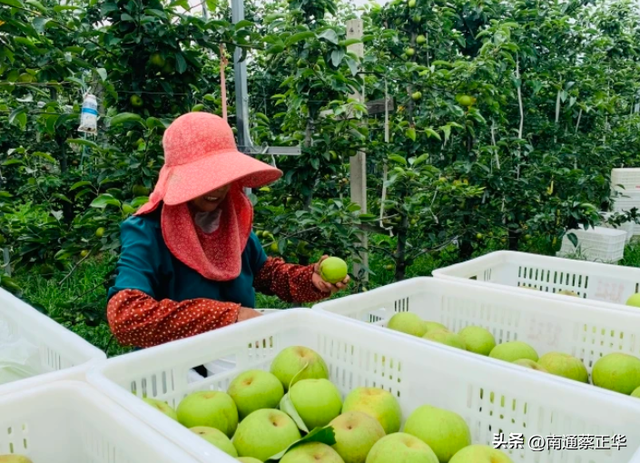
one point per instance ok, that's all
(617, 371)
(295, 414)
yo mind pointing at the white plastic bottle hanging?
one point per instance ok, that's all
(89, 115)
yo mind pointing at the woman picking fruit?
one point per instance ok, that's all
(190, 262)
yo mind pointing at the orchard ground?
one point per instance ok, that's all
(60, 296)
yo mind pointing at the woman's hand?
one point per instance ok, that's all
(325, 286)
(246, 314)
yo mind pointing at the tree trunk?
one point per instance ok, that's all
(513, 239)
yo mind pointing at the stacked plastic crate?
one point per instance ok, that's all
(625, 189)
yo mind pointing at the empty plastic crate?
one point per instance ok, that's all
(70, 422)
(63, 354)
(597, 244)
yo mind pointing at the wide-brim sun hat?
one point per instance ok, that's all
(201, 155)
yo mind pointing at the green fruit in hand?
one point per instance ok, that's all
(248, 460)
(100, 232)
(407, 322)
(317, 401)
(136, 101)
(14, 458)
(355, 434)
(217, 438)
(617, 372)
(421, 39)
(377, 403)
(564, 365)
(416, 96)
(255, 389)
(292, 360)
(514, 350)
(444, 431)
(157, 60)
(213, 409)
(312, 452)
(431, 326)
(478, 340)
(401, 448)
(410, 51)
(634, 300)
(164, 407)
(265, 433)
(445, 337)
(480, 454)
(333, 270)
(530, 364)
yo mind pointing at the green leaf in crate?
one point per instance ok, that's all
(324, 435)
(286, 405)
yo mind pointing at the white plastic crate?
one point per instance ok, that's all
(604, 285)
(561, 325)
(69, 422)
(628, 178)
(628, 227)
(597, 244)
(630, 200)
(63, 354)
(492, 397)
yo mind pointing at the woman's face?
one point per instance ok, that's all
(210, 201)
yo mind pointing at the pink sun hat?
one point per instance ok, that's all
(200, 156)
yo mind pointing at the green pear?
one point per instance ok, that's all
(248, 460)
(634, 300)
(216, 437)
(444, 431)
(255, 389)
(617, 372)
(317, 401)
(401, 448)
(214, 409)
(265, 433)
(445, 337)
(312, 452)
(514, 350)
(292, 360)
(164, 407)
(355, 434)
(477, 339)
(564, 365)
(375, 402)
(407, 322)
(530, 364)
(430, 326)
(333, 270)
(480, 454)
(14, 458)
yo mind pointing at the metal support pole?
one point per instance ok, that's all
(358, 163)
(242, 93)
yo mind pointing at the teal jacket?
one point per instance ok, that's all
(146, 264)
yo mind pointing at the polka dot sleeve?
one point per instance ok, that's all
(137, 319)
(290, 282)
